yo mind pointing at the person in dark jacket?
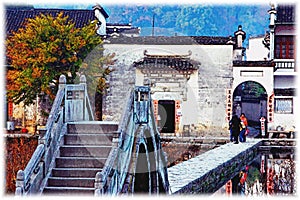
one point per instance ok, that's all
(235, 127)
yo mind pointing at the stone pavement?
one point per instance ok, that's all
(209, 171)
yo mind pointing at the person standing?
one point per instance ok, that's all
(238, 110)
(244, 123)
(230, 131)
(235, 126)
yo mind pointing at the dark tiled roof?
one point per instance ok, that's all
(118, 24)
(121, 28)
(132, 30)
(238, 63)
(173, 40)
(285, 14)
(16, 17)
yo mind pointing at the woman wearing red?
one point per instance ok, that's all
(244, 123)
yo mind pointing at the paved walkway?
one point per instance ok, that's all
(189, 171)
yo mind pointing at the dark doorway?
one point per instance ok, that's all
(141, 183)
(166, 111)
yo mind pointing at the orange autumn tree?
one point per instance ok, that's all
(43, 49)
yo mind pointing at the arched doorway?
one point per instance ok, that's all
(141, 182)
(250, 97)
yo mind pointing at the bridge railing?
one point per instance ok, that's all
(32, 179)
(137, 125)
(103, 180)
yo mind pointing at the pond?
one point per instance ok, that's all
(272, 172)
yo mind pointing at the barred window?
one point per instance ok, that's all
(284, 47)
(284, 105)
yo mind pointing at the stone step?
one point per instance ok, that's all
(92, 127)
(71, 182)
(75, 172)
(88, 139)
(85, 151)
(68, 191)
(80, 162)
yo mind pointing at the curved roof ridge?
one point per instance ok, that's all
(170, 40)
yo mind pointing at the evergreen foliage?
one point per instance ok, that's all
(194, 19)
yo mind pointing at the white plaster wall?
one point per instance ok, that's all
(213, 54)
(102, 29)
(215, 76)
(189, 108)
(285, 82)
(287, 121)
(206, 90)
(256, 50)
(139, 77)
(266, 80)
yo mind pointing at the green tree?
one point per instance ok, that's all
(46, 47)
(96, 67)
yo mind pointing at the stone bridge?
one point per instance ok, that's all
(77, 155)
(211, 170)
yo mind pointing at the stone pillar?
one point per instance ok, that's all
(20, 183)
(83, 79)
(240, 36)
(62, 81)
(115, 139)
(99, 184)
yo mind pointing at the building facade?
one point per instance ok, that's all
(275, 72)
(222, 81)
(285, 73)
(197, 82)
(188, 76)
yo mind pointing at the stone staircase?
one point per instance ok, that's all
(83, 153)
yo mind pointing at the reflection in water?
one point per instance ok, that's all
(270, 173)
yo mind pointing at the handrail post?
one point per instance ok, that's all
(115, 139)
(61, 85)
(42, 133)
(83, 79)
(83, 82)
(20, 183)
(99, 184)
(62, 81)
